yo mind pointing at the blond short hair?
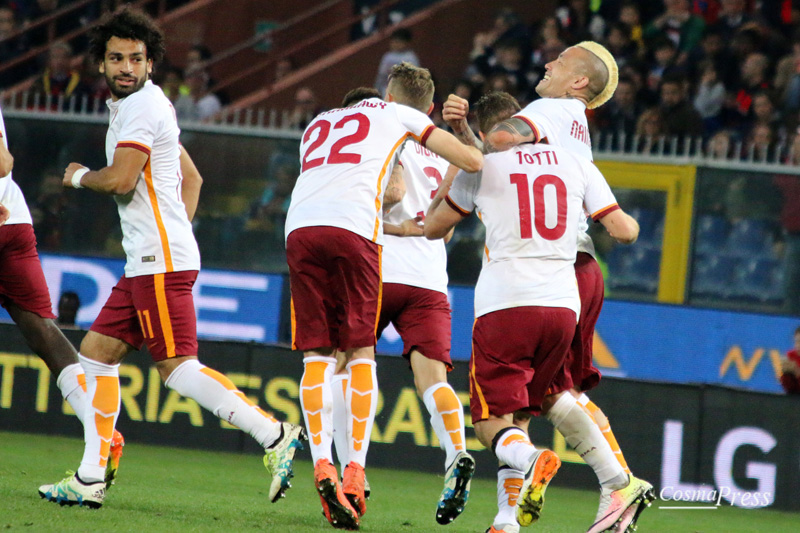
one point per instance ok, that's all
(411, 86)
(605, 89)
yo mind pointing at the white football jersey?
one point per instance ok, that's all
(347, 156)
(562, 122)
(10, 194)
(156, 233)
(529, 198)
(416, 261)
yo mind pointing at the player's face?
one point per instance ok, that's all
(559, 75)
(125, 66)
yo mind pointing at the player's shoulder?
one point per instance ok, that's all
(150, 96)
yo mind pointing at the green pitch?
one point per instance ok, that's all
(174, 490)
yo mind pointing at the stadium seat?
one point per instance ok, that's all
(634, 269)
(748, 238)
(712, 276)
(650, 223)
(711, 233)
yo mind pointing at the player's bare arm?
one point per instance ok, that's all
(190, 186)
(119, 178)
(411, 227)
(509, 133)
(395, 189)
(446, 145)
(455, 113)
(6, 161)
(441, 219)
(4, 214)
(621, 226)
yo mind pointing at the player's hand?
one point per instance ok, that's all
(4, 214)
(67, 181)
(413, 227)
(455, 112)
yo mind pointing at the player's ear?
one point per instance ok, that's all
(389, 97)
(580, 83)
(102, 67)
(430, 109)
(149, 66)
(482, 136)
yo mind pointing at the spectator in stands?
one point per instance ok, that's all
(59, 79)
(710, 97)
(507, 25)
(172, 84)
(790, 367)
(679, 25)
(306, 107)
(48, 210)
(621, 114)
(580, 23)
(664, 57)
(549, 42)
(788, 68)
(720, 145)
(508, 61)
(649, 129)
(629, 14)
(731, 17)
(197, 56)
(712, 48)
(763, 112)
(759, 142)
(93, 85)
(283, 67)
(399, 50)
(753, 79)
(620, 45)
(11, 48)
(68, 305)
(680, 117)
(200, 104)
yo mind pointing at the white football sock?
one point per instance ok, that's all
(340, 417)
(447, 419)
(362, 398)
(580, 432)
(99, 417)
(216, 393)
(513, 448)
(316, 398)
(72, 383)
(509, 483)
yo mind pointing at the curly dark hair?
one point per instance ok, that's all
(127, 24)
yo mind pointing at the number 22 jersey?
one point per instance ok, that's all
(346, 158)
(529, 198)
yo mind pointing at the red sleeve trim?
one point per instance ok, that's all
(597, 215)
(455, 207)
(537, 135)
(131, 144)
(425, 134)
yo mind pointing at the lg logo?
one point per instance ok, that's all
(725, 487)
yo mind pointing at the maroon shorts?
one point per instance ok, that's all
(421, 317)
(335, 281)
(517, 354)
(585, 375)
(21, 278)
(154, 309)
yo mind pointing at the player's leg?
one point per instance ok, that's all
(357, 284)
(340, 412)
(166, 307)
(501, 370)
(447, 420)
(24, 294)
(315, 330)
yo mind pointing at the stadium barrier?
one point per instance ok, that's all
(700, 445)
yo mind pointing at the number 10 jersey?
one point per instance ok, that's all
(529, 198)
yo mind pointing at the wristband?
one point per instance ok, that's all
(76, 177)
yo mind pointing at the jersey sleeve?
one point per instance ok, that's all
(462, 194)
(535, 116)
(140, 125)
(418, 124)
(599, 199)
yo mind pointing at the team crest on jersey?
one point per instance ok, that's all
(149, 259)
